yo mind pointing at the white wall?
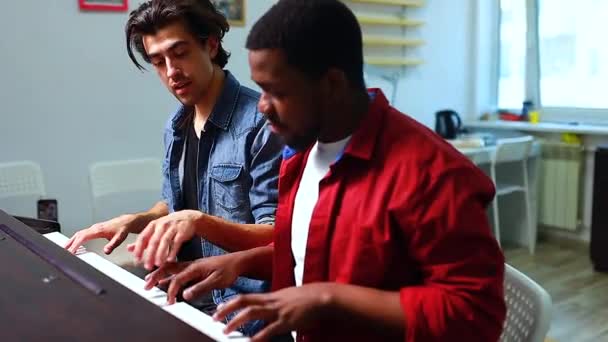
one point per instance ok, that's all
(70, 96)
(445, 80)
(236, 37)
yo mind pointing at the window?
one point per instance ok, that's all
(573, 53)
(571, 70)
(511, 81)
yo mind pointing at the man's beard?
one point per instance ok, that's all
(186, 101)
(302, 142)
(298, 142)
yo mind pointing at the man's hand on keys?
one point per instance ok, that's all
(201, 276)
(115, 230)
(162, 238)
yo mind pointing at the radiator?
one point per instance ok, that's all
(560, 178)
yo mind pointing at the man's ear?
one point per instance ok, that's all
(334, 83)
(213, 44)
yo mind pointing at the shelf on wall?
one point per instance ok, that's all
(392, 61)
(386, 20)
(410, 3)
(392, 41)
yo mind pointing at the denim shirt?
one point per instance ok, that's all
(238, 169)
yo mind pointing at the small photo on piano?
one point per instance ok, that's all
(47, 210)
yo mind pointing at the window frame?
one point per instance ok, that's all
(532, 76)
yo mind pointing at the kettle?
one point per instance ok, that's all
(447, 123)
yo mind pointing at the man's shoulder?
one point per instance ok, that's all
(245, 113)
(245, 96)
(175, 116)
(417, 158)
(247, 100)
(409, 143)
(249, 94)
(407, 134)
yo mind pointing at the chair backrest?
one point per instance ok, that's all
(122, 186)
(512, 149)
(478, 156)
(528, 308)
(111, 177)
(22, 178)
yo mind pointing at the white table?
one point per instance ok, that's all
(513, 225)
(479, 155)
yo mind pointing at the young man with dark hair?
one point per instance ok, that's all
(381, 230)
(221, 160)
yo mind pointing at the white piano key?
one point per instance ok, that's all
(124, 277)
(204, 324)
(57, 238)
(191, 316)
(61, 240)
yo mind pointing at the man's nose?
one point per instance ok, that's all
(172, 69)
(264, 105)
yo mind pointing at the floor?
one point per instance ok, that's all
(580, 295)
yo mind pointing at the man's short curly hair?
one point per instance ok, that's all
(315, 34)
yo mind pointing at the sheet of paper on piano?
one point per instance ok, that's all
(189, 315)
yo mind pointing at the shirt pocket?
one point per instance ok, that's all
(359, 256)
(227, 186)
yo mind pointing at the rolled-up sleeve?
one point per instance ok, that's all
(461, 295)
(266, 157)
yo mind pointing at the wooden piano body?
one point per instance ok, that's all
(39, 302)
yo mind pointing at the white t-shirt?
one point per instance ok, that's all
(320, 158)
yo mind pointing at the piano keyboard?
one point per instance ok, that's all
(188, 314)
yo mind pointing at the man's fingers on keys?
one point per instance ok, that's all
(202, 287)
(165, 244)
(178, 240)
(152, 278)
(74, 242)
(162, 275)
(238, 303)
(250, 313)
(70, 241)
(269, 331)
(142, 240)
(159, 229)
(165, 280)
(157, 281)
(115, 242)
(78, 241)
(178, 282)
